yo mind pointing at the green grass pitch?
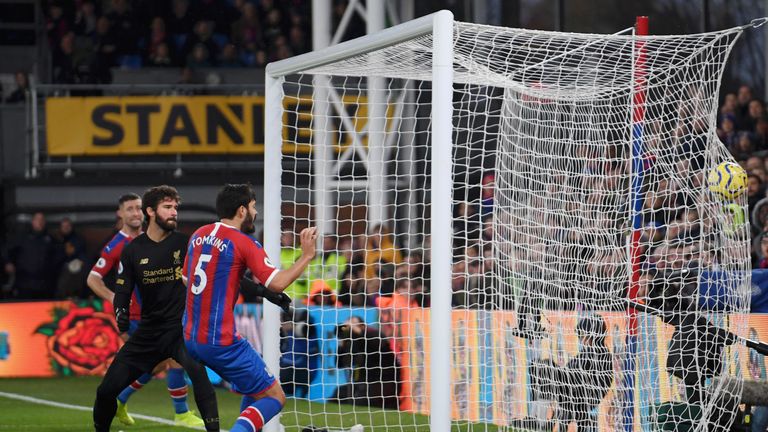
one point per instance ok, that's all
(153, 400)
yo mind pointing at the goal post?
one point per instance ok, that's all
(494, 204)
(441, 25)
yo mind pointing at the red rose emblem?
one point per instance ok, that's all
(85, 341)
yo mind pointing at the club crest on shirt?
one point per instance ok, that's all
(177, 257)
(144, 261)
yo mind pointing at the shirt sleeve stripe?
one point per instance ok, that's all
(272, 276)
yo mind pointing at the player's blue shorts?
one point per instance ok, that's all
(134, 324)
(238, 363)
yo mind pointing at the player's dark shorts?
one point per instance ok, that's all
(148, 346)
(238, 363)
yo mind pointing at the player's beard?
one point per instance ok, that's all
(248, 227)
(166, 224)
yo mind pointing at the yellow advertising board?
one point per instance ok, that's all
(157, 125)
(135, 125)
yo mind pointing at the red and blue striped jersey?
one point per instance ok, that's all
(110, 257)
(217, 257)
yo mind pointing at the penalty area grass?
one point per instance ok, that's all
(76, 395)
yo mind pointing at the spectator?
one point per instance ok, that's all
(411, 268)
(299, 354)
(727, 132)
(203, 35)
(288, 255)
(411, 291)
(353, 287)
(56, 24)
(123, 21)
(182, 21)
(200, 57)
(743, 97)
(729, 105)
(157, 36)
(229, 57)
(489, 184)
(762, 262)
(755, 190)
(180, 28)
(273, 26)
(466, 226)
(297, 40)
(753, 163)
(280, 49)
(64, 71)
(260, 58)
(104, 51)
(31, 261)
(85, 19)
(22, 88)
(321, 294)
(70, 260)
(379, 247)
(161, 57)
(744, 148)
(581, 385)
(329, 265)
(761, 132)
(756, 111)
(374, 370)
(246, 31)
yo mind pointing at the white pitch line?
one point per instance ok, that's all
(84, 408)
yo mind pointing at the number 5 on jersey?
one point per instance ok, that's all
(201, 278)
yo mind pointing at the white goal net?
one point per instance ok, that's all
(593, 277)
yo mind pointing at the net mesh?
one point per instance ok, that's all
(548, 196)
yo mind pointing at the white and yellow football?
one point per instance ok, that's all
(727, 180)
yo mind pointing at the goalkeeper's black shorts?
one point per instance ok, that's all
(149, 346)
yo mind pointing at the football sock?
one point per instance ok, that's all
(256, 415)
(177, 387)
(131, 389)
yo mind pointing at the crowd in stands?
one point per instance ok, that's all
(743, 128)
(363, 269)
(42, 265)
(89, 37)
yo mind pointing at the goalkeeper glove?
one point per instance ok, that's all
(122, 318)
(280, 299)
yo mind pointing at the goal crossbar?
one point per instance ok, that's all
(362, 45)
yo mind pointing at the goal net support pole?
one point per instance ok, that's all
(638, 116)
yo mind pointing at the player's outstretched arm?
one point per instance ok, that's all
(285, 278)
(248, 286)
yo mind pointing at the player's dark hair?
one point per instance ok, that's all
(155, 195)
(231, 197)
(127, 197)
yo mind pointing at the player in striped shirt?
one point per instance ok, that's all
(131, 217)
(217, 257)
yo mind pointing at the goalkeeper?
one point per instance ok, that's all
(578, 387)
(152, 263)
